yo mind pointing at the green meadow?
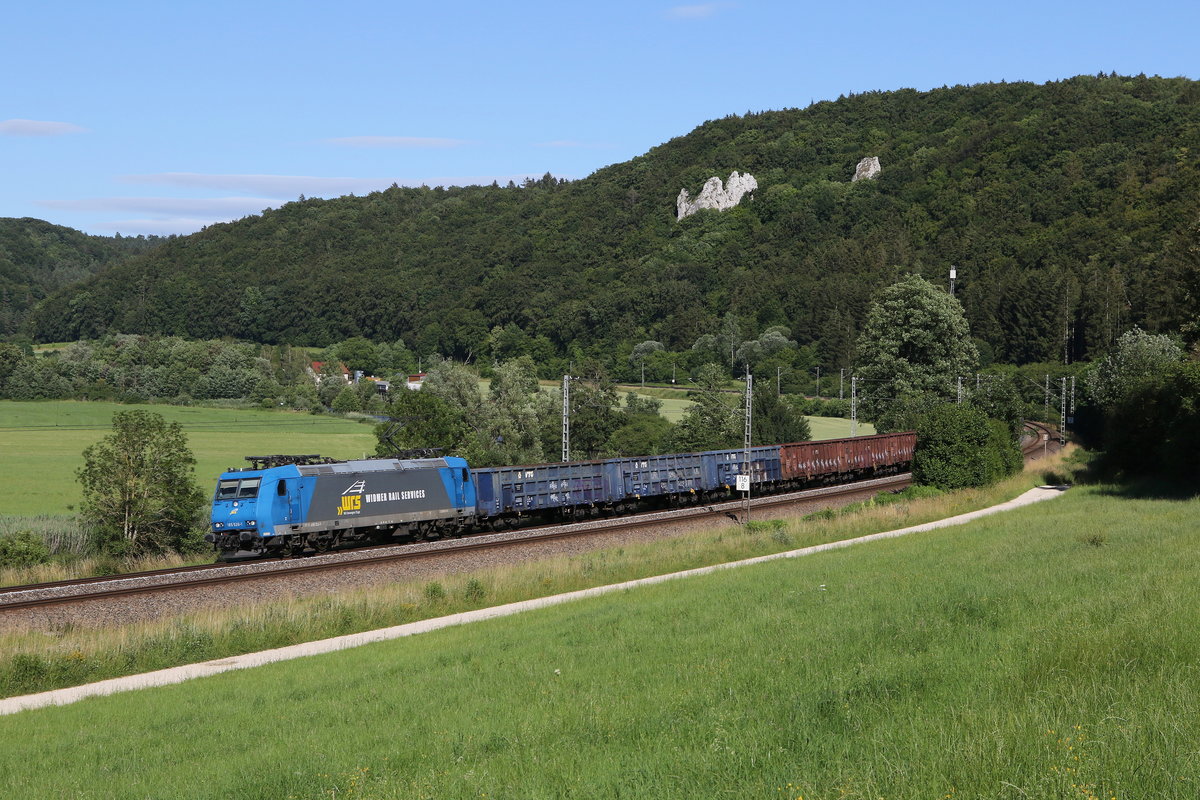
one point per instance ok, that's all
(675, 403)
(1049, 652)
(41, 444)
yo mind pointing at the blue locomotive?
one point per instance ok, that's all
(288, 504)
(297, 504)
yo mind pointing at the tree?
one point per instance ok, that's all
(712, 422)
(997, 396)
(514, 428)
(358, 354)
(915, 341)
(347, 400)
(421, 420)
(1140, 357)
(595, 414)
(139, 494)
(11, 357)
(1155, 430)
(645, 431)
(642, 351)
(775, 421)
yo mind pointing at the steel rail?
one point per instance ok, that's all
(23, 597)
(57, 592)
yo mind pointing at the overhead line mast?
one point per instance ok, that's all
(749, 411)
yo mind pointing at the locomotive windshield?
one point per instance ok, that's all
(229, 490)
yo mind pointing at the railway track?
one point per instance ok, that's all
(89, 590)
(1040, 440)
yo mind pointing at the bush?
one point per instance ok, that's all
(23, 549)
(958, 446)
(765, 525)
(475, 591)
(1156, 429)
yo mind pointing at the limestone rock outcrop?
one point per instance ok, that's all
(867, 169)
(716, 194)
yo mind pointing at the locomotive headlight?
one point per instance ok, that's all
(251, 523)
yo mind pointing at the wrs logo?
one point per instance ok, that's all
(352, 498)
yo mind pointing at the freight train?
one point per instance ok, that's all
(292, 505)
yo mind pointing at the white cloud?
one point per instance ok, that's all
(291, 186)
(160, 227)
(395, 141)
(183, 215)
(698, 11)
(225, 207)
(571, 143)
(278, 186)
(33, 127)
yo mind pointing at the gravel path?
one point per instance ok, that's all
(188, 672)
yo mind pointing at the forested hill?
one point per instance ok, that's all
(1070, 209)
(36, 258)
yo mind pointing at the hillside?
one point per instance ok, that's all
(37, 258)
(1068, 207)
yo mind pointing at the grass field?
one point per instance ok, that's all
(31, 662)
(675, 403)
(836, 428)
(41, 444)
(1032, 655)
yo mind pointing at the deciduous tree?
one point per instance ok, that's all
(139, 493)
(915, 342)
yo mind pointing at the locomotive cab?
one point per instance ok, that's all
(235, 517)
(257, 509)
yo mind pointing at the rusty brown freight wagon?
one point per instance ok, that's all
(858, 456)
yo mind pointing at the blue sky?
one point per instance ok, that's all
(161, 117)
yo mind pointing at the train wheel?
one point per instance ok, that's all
(322, 542)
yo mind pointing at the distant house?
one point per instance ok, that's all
(314, 371)
(415, 381)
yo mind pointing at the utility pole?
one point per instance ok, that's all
(953, 277)
(778, 378)
(1046, 410)
(818, 383)
(853, 405)
(841, 381)
(1062, 425)
(749, 412)
(566, 418)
